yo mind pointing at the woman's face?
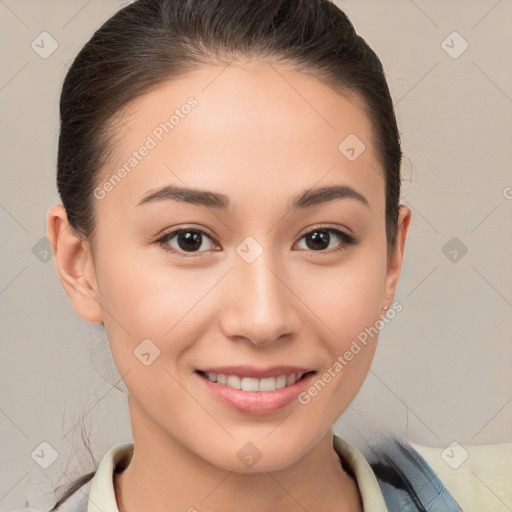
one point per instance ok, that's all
(255, 285)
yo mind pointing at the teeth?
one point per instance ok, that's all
(253, 384)
(250, 384)
(290, 380)
(234, 382)
(281, 381)
(268, 384)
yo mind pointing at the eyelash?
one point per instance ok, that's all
(346, 239)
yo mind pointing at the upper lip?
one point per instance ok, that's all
(257, 373)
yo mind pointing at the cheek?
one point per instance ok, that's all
(348, 298)
(349, 306)
(150, 322)
(146, 299)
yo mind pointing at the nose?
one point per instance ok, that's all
(258, 302)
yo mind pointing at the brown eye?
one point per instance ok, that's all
(185, 240)
(319, 239)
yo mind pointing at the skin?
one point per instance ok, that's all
(261, 134)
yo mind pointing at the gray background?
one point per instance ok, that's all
(443, 367)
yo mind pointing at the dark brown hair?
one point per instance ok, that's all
(153, 41)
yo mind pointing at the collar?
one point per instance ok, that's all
(102, 496)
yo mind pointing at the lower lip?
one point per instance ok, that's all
(256, 402)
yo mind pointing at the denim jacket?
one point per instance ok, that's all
(407, 482)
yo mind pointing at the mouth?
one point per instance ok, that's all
(246, 383)
(253, 391)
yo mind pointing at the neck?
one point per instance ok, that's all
(164, 476)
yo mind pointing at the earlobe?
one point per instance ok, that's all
(396, 259)
(74, 264)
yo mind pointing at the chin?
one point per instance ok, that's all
(264, 453)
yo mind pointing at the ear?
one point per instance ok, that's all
(396, 258)
(75, 265)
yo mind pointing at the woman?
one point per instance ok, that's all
(230, 179)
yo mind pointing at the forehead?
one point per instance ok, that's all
(253, 122)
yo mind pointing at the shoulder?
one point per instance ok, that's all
(406, 480)
(97, 487)
(392, 476)
(478, 476)
(454, 478)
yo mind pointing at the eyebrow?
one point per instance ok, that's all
(209, 199)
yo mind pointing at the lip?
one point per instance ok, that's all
(257, 373)
(256, 402)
